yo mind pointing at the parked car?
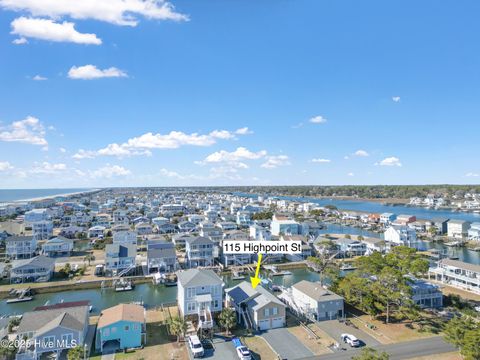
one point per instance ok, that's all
(195, 346)
(242, 351)
(350, 340)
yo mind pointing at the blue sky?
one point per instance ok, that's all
(139, 93)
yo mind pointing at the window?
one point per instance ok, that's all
(67, 340)
(49, 342)
(191, 306)
(127, 328)
(274, 311)
(266, 312)
(114, 329)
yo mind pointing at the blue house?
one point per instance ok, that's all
(121, 327)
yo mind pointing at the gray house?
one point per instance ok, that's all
(20, 247)
(199, 251)
(52, 331)
(58, 246)
(37, 269)
(161, 256)
(257, 308)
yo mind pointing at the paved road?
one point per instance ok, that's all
(400, 351)
(286, 344)
(335, 328)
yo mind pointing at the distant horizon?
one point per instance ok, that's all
(233, 186)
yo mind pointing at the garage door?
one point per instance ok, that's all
(264, 324)
(277, 323)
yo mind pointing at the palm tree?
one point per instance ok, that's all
(89, 258)
(227, 319)
(178, 327)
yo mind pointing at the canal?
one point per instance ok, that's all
(151, 295)
(377, 207)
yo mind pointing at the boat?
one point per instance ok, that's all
(123, 285)
(19, 300)
(90, 308)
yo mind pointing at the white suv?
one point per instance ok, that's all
(350, 340)
(195, 346)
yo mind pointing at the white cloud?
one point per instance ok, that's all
(110, 171)
(243, 131)
(471, 174)
(29, 130)
(90, 72)
(276, 161)
(121, 151)
(47, 168)
(141, 145)
(20, 41)
(239, 154)
(45, 29)
(321, 160)
(390, 161)
(63, 150)
(118, 12)
(350, 174)
(5, 165)
(84, 154)
(396, 99)
(39, 78)
(361, 153)
(318, 120)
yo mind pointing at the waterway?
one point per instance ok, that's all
(377, 207)
(151, 295)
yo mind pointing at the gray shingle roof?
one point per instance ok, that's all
(316, 291)
(38, 261)
(198, 277)
(43, 321)
(255, 298)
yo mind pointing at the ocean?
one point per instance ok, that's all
(9, 195)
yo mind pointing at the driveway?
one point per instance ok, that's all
(219, 349)
(335, 329)
(286, 344)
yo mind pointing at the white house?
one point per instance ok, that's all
(125, 237)
(284, 225)
(20, 247)
(401, 235)
(316, 302)
(458, 229)
(474, 232)
(42, 230)
(199, 295)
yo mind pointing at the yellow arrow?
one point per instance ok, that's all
(256, 280)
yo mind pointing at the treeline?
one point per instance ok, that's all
(361, 191)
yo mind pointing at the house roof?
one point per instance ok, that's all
(155, 253)
(198, 277)
(199, 240)
(39, 261)
(42, 321)
(255, 298)
(121, 312)
(19, 238)
(316, 291)
(460, 264)
(58, 239)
